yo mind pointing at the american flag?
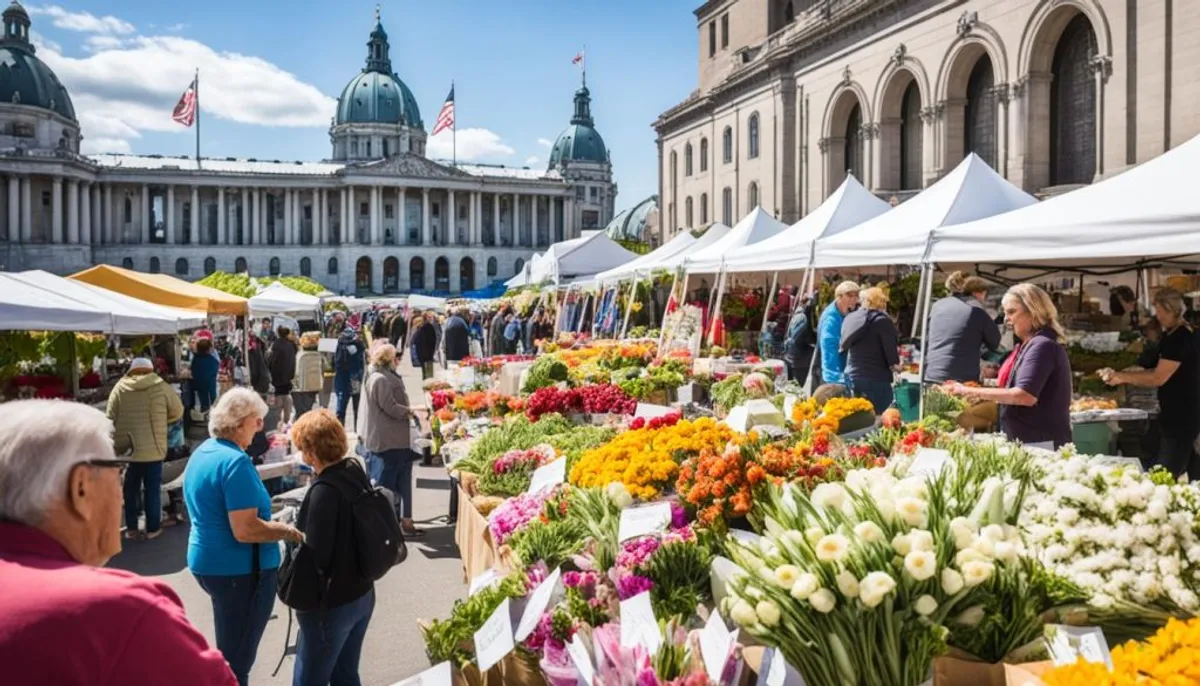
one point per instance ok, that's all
(185, 110)
(445, 118)
(578, 57)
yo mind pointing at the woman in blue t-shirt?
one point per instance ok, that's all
(231, 522)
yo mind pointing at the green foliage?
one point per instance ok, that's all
(551, 542)
(516, 433)
(546, 371)
(245, 286)
(579, 440)
(728, 393)
(681, 578)
(453, 638)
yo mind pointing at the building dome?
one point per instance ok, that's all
(377, 95)
(24, 79)
(579, 142)
(634, 223)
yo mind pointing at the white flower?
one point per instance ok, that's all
(971, 616)
(767, 574)
(976, 572)
(829, 496)
(995, 532)
(791, 537)
(968, 555)
(832, 548)
(1006, 552)
(813, 534)
(913, 511)
(985, 546)
(874, 587)
(847, 583)
(920, 564)
(619, 495)
(869, 532)
(743, 614)
(767, 612)
(952, 581)
(823, 600)
(902, 544)
(920, 539)
(786, 575)
(806, 584)
(926, 605)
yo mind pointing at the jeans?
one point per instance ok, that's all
(344, 399)
(878, 392)
(240, 614)
(303, 401)
(204, 393)
(330, 643)
(139, 476)
(397, 477)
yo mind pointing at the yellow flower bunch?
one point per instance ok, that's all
(1171, 656)
(838, 409)
(647, 460)
(804, 411)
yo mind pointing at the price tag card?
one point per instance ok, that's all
(482, 581)
(1111, 461)
(327, 345)
(643, 521)
(929, 462)
(648, 411)
(437, 675)
(775, 670)
(716, 646)
(494, 639)
(1041, 445)
(539, 600)
(582, 659)
(548, 476)
(1068, 643)
(638, 624)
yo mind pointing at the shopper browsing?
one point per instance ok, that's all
(872, 349)
(959, 330)
(829, 332)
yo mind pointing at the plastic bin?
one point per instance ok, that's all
(908, 400)
(1092, 438)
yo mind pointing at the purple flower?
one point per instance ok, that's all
(633, 584)
(647, 677)
(513, 514)
(635, 553)
(678, 516)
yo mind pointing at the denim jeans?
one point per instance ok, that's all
(148, 476)
(240, 614)
(302, 401)
(344, 399)
(330, 643)
(878, 392)
(397, 477)
(204, 393)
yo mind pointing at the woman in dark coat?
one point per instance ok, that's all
(871, 345)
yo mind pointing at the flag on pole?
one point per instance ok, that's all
(578, 59)
(445, 118)
(185, 109)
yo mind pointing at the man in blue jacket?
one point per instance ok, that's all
(829, 332)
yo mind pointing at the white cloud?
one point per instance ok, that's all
(85, 22)
(43, 43)
(531, 160)
(545, 142)
(473, 145)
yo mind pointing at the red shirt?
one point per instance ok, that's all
(65, 623)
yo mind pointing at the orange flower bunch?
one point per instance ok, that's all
(716, 484)
(804, 411)
(792, 463)
(643, 351)
(446, 414)
(472, 402)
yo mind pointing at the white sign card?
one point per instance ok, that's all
(1113, 461)
(494, 639)
(789, 404)
(548, 475)
(482, 581)
(437, 675)
(1041, 445)
(643, 521)
(1068, 643)
(539, 600)
(716, 646)
(775, 670)
(582, 659)
(327, 345)
(929, 462)
(638, 624)
(650, 411)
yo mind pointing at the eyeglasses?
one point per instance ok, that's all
(120, 465)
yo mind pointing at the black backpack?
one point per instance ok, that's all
(378, 538)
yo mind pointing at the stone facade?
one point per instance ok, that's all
(794, 94)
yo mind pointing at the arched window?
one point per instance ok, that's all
(466, 274)
(239, 266)
(1073, 105)
(853, 147)
(703, 154)
(391, 275)
(362, 275)
(980, 126)
(441, 274)
(332, 267)
(181, 267)
(703, 208)
(727, 207)
(518, 266)
(416, 274)
(687, 212)
(210, 265)
(752, 136)
(674, 169)
(910, 138)
(128, 209)
(305, 266)
(273, 268)
(752, 195)
(155, 265)
(687, 160)
(727, 145)
(127, 263)
(492, 267)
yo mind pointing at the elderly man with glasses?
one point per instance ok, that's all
(65, 620)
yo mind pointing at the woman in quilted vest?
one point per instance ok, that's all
(309, 373)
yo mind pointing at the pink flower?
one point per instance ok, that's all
(630, 585)
(514, 514)
(678, 516)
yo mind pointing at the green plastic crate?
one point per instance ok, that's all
(1093, 438)
(908, 400)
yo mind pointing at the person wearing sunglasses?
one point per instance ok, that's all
(64, 619)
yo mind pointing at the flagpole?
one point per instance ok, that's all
(583, 63)
(454, 125)
(197, 96)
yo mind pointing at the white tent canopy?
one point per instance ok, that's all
(753, 228)
(714, 234)
(1148, 211)
(648, 261)
(279, 299)
(40, 301)
(973, 190)
(791, 249)
(579, 257)
(525, 276)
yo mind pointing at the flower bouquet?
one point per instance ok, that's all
(509, 473)
(1170, 656)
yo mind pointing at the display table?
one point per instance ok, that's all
(473, 538)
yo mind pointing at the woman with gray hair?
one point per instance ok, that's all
(231, 547)
(60, 522)
(384, 429)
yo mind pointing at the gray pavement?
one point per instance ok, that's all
(424, 587)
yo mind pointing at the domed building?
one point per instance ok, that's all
(638, 223)
(376, 217)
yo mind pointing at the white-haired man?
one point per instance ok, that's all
(64, 620)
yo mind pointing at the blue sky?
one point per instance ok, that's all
(270, 71)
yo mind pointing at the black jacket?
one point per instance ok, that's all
(870, 342)
(327, 521)
(260, 376)
(959, 329)
(281, 360)
(457, 338)
(425, 342)
(397, 329)
(496, 335)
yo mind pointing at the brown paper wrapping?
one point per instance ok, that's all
(960, 669)
(473, 538)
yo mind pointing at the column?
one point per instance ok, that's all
(495, 219)
(110, 235)
(452, 213)
(402, 216)
(26, 209)
(425, 231)
(85, 213)
(344, 219)
(145, 212)
(321, 200)
(516, 220)
(569, 223)
(97, 214)
(72, 212)
(223, 237)
(246, 225)
(534, 236)
(477, 218)
(288, 237)
(171, 215)
(56, 233)
(194, 238)
(373, 215)
(552, 223)
(14, 209)
(260, 212)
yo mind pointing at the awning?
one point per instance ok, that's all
(753, 228)
(280, 299)
(36, 308)
(163, 290)
(23, 308)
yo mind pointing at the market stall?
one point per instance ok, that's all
(278, 299)
(163, 290)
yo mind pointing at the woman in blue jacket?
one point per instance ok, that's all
(348, 371)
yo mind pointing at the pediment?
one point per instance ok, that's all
(407, 165)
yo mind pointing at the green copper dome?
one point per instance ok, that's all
(579, 142)
(377, 95)
(24, 79)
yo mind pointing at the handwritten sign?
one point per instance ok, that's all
(716, 646)
(929, 462)
(482, 581)
(643, 521)
(548, 476)
(1068, 643)
(650, 411)
(583, 660)
(539, 600)
(327, 345)
(638, 624)
(775, 670)
(494, 639)
(437, 675)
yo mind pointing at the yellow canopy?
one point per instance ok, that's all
(163, 290)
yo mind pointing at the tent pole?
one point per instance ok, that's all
(716, 304)
(629, 305)
(662, 332)
(917, 314)
(928, 294)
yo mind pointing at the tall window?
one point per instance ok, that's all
(128, 209)
(492, 267)
(853, 147)
(727, 207)
(181, 267)
(727, 145)
(703, 154)
(239, 266)
(305, 266)
(910, 138)
(752, 195)
(210, 265)
(127, 263)
(155, 265)
(980, 127)
(273, 267)
(332, 267)
(724, 30)
(687, 160)
(703, 208)
(752, 137)
(712, 38)
(674, 169)
(687, 212)
(1073, 106)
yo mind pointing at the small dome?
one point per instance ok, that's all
(632, 222)
(25, 79)
(579, 142)
(376, 97)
